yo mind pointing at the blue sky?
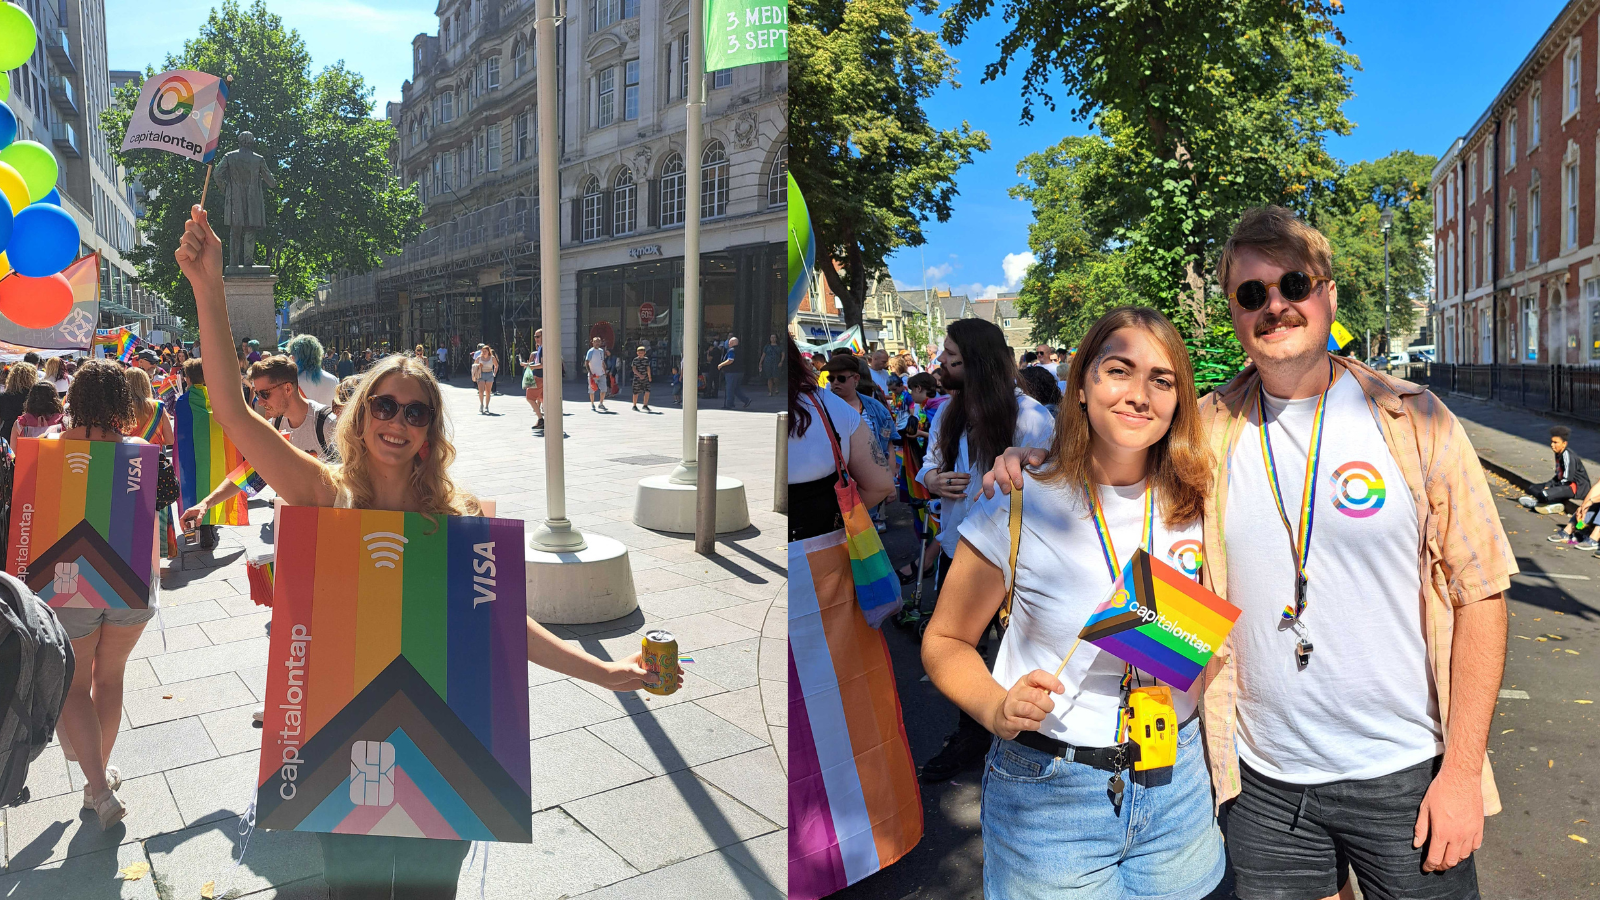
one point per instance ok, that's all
(1428, 70)
(373, 37)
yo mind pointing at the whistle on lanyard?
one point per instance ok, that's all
(1152, 724)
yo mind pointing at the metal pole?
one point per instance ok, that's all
(684, 473)
(1387, 347)
(555, 534)
(780, 467)
(705, 510)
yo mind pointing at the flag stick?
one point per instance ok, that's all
(203, 187)
(1061, 668)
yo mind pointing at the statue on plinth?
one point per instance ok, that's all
(241, 175)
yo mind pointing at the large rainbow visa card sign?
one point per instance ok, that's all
(83, 522)
(1160, 620)
(397, 684)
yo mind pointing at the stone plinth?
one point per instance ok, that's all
(661, 505)
(251, 312)
(594, 584)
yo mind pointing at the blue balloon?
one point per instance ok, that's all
(53, 198)
(8, 126)
(44, 240)
(5, 221)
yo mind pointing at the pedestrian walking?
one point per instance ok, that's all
(732, 376)
(594, 362)
(772, 364)
(488, 368)
(346, 366)
(533, 379)
(640, 367)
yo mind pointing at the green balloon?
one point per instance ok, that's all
(18, 36)
(5, 87)
(35, 163)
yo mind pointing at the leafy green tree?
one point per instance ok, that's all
(861, 148)
(337, 206)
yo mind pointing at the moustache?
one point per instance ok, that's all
(1290, 317)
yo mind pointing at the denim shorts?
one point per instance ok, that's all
(80, 622)
(1290, 842)
(1049, 829)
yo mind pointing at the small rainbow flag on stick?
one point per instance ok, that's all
(205, 456)
(1160, 620)
(247, 479)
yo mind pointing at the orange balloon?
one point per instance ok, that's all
(14, 187)
(35, 302)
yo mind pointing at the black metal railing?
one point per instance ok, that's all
(1568, 390)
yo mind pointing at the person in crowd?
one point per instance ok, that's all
(640, 370)
(100, 408)
(1393, 781)
(533, 379)
(710, 374)
(1572, 534)
(878, 368)
(848, 380)
(346, 366)
(1038, 382)
(151, 418)
(19, 383)
(594, 362)
(488, 368)
(55, 373)
(732, 375)
(989, 414)
(814, 508)
(772, 364)
(441, 369)
(1028, 359)
(920, 389)
(254, 355)
(1571, 479)
(366, 359)
(315, 382)
(1127, 469)
(395, 454)
(41, 412)
(148, 362)
(347, 389)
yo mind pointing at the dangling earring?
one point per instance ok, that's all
(423, 453)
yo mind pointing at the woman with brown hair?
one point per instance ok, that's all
(1128, 469)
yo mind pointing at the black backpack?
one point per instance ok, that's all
(36, 666)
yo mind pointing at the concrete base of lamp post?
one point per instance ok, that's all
(661, 505)
(594, 584)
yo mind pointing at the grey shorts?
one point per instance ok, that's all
(80, 623)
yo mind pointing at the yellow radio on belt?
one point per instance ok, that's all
(1153, 725)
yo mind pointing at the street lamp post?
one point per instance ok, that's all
(1386, 222)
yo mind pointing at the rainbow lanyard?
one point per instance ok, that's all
(1308, 501)
(1103, 531)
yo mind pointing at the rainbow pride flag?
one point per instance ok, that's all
(397, 690)
(83, 522)
(247, 479)
(204, 457)
(854, 803)
(1158, 619)
(168, 384)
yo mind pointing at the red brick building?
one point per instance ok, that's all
(1516, 241)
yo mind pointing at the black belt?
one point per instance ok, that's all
(1107, 759)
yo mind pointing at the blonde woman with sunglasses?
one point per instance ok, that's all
(395, 453)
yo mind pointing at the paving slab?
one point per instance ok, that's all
(667, 740)
(238, 628)
(750, 615)
(686, 601)
(177, 700)
(47, 775)
(232, 730)
(290, 861)
(694, 688)
(704, 630)
(57, 828)
(767, 856)
(576, 764)
(216, 789)
(731, 666)
(165, 745)
(742, 708)
(183, 637)
(562, 706)
(90, 876)
(208, 660)
(191, 613)
(564, 860)
(688, 817)
(754, 779)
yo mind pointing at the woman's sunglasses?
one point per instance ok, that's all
(1294, 286)
(383, 408)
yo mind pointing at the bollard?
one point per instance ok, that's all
(780, 468)
(705, 513)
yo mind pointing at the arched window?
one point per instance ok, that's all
(519, 58)
(624, 204)
(778, 178)
(592, 210)
(672, 191)
(426, 123)
(713, 181)
(414, 133)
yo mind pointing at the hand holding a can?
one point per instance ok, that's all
(630, 675)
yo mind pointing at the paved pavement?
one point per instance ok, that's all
(1543, 743)
(703, 768)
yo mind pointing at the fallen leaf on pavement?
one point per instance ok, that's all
(208, 890)
(166, 696)
(1581, 822)
(1584, 702)
(1579, 838)
(135, 871)
(1552, 764)
(1541, 640)
(1573, 652)
(1508, 731)
(1523, 637)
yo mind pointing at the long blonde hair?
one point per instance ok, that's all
(52, 368)
(436, 493)
(144, 405)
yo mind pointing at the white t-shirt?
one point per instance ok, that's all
(322, 390)
(1035, 428)
(1366, 705)
(880, 378)
(810, 456)
(596, 359)
(442, 353)
(305, 436)
(1062, 577)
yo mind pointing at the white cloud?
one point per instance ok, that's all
(1014, 265)
(936, 274)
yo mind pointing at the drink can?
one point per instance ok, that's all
(661, 661)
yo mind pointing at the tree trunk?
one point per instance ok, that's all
(1193, 300)
(852, 293)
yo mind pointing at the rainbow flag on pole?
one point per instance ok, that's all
(83, 522)
(1160, 620)
(247, 479)
(397, 695)
(204, 457)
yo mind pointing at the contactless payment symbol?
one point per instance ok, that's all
(172, 102)
(1357, 489)
(1186, 556)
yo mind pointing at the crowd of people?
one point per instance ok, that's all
(1032, 480)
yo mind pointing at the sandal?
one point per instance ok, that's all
(109, 809)
(113, 781)
(906, 577)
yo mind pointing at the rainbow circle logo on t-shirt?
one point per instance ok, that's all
(1186, 556)
(1357, 489)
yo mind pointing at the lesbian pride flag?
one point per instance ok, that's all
(854, 803)
(1160, 620)
(205, 457)
(83, 522)
(397, 684)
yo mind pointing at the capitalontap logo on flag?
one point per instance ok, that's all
(180, 112)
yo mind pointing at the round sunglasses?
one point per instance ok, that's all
(384, 407)
(1294, 286)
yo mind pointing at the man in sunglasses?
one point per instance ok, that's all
(1347, 715)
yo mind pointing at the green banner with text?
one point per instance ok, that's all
(745, 32)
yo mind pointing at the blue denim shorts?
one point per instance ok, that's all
(1049, 829)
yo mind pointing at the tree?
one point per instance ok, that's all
(1203, 107)
(872, 168)
(337, 206)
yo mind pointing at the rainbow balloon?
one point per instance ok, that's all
(397, 695)
(205, 457)
(802, 248)
(1159, 620)
(83, 522)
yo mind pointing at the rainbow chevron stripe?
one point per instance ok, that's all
(1159, 620)
(247, 479)
(398, 677)
(83, 522)
(204, 457)
(154, 425)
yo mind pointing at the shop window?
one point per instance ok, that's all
(713, 181)
(672, 191)
(778, 178)
(592, 209)
(624, 204)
